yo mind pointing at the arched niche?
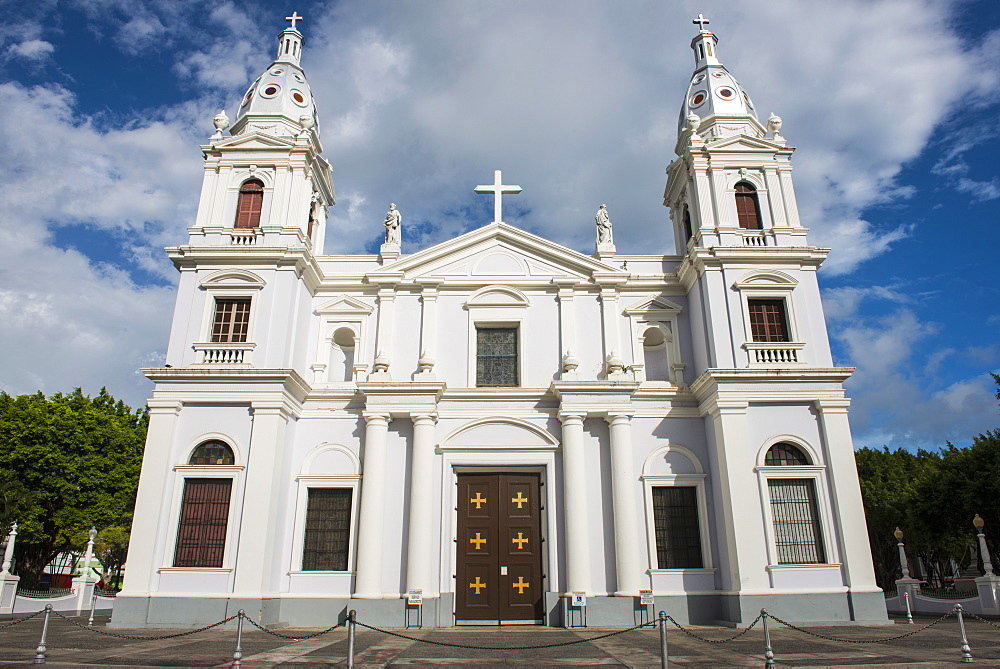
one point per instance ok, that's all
(671, 460)
(331, 460)
(499, 433)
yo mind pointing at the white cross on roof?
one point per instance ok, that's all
(293, 18)
(498, 189)
(700, 22)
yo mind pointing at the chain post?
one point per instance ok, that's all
(909, 613)
(350, 638)
(966, 651)
(663, 641)
(768, 653)
(238, 653)
(40, 651)
(93, 607)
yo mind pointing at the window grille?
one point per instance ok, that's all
(249, 205)
(496, 357)
(747, 206)
(328, 529)
(767, 320)
(232, 319)
(796, 521)
(784, 455)
(201, 535)
(675, 518)
(212, 452)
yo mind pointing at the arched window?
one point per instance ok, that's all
(212, 452)
(250, 204)
(798, 535)
(747, 206)
(688, 232)
(784, 454)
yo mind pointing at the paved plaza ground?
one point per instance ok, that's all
(937, 646)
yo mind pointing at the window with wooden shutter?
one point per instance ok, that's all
(249, 205)
(496, 357)
(328, 529)
(747, 206)
(232, 319)
(201, 534)
(767, 320)
(678, 536)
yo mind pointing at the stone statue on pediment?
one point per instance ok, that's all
(392, 221)
(603, 226)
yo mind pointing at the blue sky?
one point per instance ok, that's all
(892, 105)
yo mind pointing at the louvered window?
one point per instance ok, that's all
(678, 537)
(328, 529)
(496, 357)
(250, 203)
(232, 319)
(201, 535)
(796, 521)
(767, 320)
(747, 206)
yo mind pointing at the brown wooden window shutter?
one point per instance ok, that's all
(747, 206)
(328, 529)
(767, 320)
(232, 319)
(250, 203)
(201, 533)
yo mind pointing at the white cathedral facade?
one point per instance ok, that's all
(517, 431)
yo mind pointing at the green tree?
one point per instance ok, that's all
(77, 461)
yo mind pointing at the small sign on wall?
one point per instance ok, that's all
(578, 599)
(646, 598)
(415, 597)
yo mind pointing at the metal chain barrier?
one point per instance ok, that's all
(833, 638)
(21, 620)
(144, 638)
(535, 647)
(301, 637)
(701, 638)
(982, 620)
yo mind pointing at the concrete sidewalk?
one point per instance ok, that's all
(937, 646)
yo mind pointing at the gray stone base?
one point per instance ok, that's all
(600, 612)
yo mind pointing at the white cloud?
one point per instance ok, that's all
(981, 191)
(31, 50)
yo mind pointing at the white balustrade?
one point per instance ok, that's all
(754, 238)
(773, 353)
(224, 353)
(243, 237)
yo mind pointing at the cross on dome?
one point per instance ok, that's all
(701, 21)
(293, 19)
(498, 189)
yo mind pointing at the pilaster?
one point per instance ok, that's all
(628, 567)
(261, 511)
(420, 543)
(575, 504)
(428, 325)
(149, 515)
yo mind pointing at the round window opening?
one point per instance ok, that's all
(747, 99)
(698, 79)
(299, 99)
(270, 91)
(718, 74)
(698, 98)
(726, 93)
(298, 77)
(277, 71)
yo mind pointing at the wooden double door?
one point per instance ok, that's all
(499, 553)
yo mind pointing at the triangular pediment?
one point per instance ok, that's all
(744, 142)
(254, 140)
(498, 251)
(345, 304)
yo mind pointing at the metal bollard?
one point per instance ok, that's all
(909, 613)
(663, 640)
(40, 651)
(350, 638)
(966, 651)
(93, 606)
(768, 653)
(238, 653)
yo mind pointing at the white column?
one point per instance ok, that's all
(575, 496)
(788, 195)
(260, 515)
(428, 320)
(628, 567)
(743, 555)
(845, 495)
(420, 544)
(8, 551)
(148, 528)
(371, 516)
(775, 199)
(383, 339)
(609, 317)
(567, 316)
